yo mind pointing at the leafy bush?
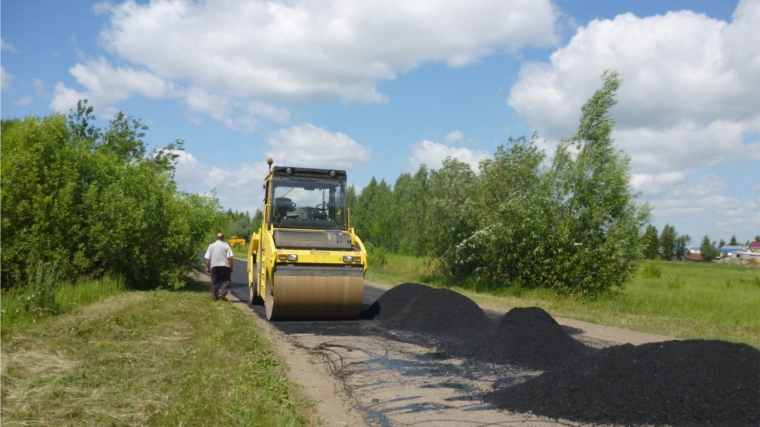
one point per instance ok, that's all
(93, 203)
(651, 271)
(377, 256)
(572, 226)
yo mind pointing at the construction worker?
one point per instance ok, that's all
(219, 264)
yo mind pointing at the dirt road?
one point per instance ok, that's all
(363, 374)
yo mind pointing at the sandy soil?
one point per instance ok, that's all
(361, 375)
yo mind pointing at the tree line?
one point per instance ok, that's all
(88, 202)
(669, 245)
(570, 223)
(242, 224)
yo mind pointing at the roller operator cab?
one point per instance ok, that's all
(306, 262)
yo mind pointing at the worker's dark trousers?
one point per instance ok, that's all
(220, 281)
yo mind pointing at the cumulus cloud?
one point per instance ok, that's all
(689, 90)
(23, 101)
(311, 146)
(453, 137)
(301, 51)
(106, 85)
(239, 185)
(432, 154)
(5, 78)
(232, 112)
(244, 62)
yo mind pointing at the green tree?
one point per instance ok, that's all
(651, 243)
(733, 241)
(573, 227)
(757, 238)
(722, 243)
(668, 242)
(682, 244)
(258, 218)
(707, 249)
(92, 202)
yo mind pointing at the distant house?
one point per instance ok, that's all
(695, 250)
(728, 250)
(734, 254)
(690, 256)
(754, 247)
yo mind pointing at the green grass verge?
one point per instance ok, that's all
(688, 300)
(240, 250)
(44, 298)
(147, 358)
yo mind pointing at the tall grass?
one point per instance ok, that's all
(44, 296)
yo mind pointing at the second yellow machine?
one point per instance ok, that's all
(306, 262)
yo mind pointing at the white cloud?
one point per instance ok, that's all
(232, 184)
(652, 184)
(242, 62)
(5, 78)
(311, 146)
(40, 88)
(6, 46)
(232, 112)
(689, 90)
(23, 101)
(107, 86)
(453, 137)
(432, 154)
(299, 51)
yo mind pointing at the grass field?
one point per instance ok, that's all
(688, 300)
(240, 250)
(146, 358)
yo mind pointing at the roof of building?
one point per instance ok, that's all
(693, 257)
(754, 245)
(733, 248)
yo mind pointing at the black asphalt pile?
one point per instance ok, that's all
(525, 336)
(679, 383)
(420, 308)
(531, 337)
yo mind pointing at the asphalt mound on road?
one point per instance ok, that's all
(531, 337)
(680, 383)
(420, 308)
(525, 336)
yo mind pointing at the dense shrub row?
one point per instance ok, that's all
(93, 202)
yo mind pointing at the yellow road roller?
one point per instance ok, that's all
(306, 262)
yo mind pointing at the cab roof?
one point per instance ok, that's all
(307, 172)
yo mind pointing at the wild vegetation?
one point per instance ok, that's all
(87, 202)
(571, 224)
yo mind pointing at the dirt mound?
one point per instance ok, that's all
(681, 383)
(420, 308)
(531, 337)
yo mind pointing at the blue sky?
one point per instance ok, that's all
(379, 87)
